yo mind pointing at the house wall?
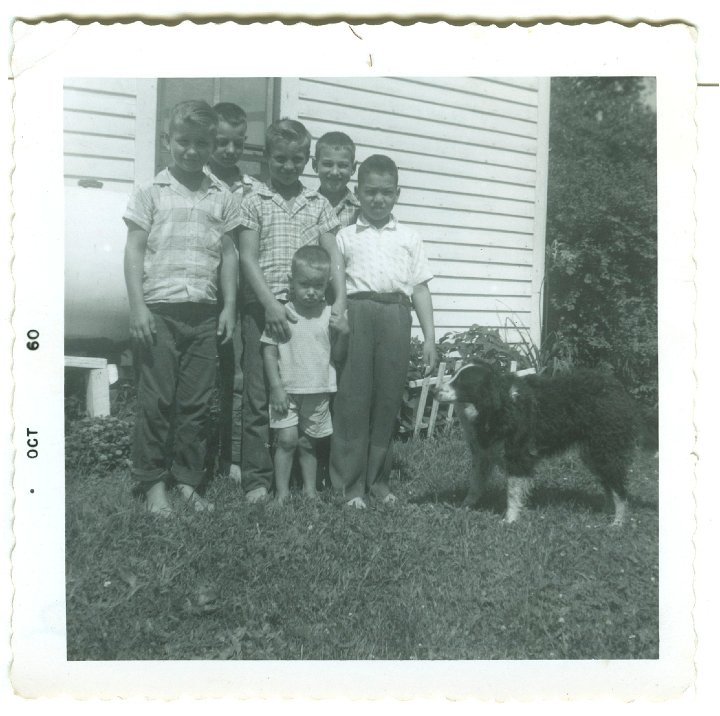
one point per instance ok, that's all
(472, 155)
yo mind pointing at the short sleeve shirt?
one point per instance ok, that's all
(347, 209)
(283, 231)
(185, 230)
(304, 359)
(387, 260)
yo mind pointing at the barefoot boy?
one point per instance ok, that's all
(386, 272)
(276, 220)
(178, 235)
(300, 373)
(231, 134)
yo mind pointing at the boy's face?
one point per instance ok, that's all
(286, 161)
(229, 144)
(334, 167)
(190, 147)
(377, 194)
(308, 285)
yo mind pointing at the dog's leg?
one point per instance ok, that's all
(620, 504)
(480, 470)
(517, 491)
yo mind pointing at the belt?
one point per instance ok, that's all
(382, 297)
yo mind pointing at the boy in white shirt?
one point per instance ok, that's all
(300, 372)
(386, 273)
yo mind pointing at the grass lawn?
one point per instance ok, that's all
(420, 580)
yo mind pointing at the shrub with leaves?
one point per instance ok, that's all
(97, 444)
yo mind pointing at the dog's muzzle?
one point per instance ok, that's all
(445, 393)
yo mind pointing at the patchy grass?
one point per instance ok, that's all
(421, 580)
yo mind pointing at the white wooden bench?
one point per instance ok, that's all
(100, 376)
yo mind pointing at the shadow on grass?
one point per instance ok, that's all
(494, 499)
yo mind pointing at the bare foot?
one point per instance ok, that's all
(199, 504)
(259, 494)
(235, 475)
(281, 497)
(310, 494)
(156, 501)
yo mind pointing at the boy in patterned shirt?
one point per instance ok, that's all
(229, 145)
(276, 220)
(335, 164)
(386, 273)
(178, 235)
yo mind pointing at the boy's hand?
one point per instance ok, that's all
(226, 325)
(279, 401)
(142, 326)
(339, 322)
(429, 357)
(276, 321)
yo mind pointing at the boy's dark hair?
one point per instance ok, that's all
(378, 164)
(288, 129)
(335, 140)
(310, 255)
(194, 113)
(231, 113)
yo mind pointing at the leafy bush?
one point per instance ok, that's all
(601, 261)
(97, 444)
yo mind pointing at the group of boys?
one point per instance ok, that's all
(306, 320)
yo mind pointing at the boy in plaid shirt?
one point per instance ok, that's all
(178, 235)
(276, 220)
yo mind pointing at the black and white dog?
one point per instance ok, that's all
(517, 420)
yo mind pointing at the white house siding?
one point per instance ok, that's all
(109, 138)
(109, 131)
(472, 155)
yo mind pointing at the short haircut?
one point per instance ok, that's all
(193, 113)
(231, 113)
(288, 129)
(378, 164)
(335, 140)
(310, 255)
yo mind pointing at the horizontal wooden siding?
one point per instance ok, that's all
(470, 158)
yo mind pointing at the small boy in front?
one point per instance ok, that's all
(276, 220)
(300, 373)
(178, 235)
(229, 146)
(386, 273)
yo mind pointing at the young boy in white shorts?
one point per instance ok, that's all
(301, 374)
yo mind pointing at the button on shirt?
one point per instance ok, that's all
(185, 230)
(283, 231)
(387, 260)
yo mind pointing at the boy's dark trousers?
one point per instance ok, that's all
(257, 465)
(231, 399)
(176, 376)
(369, 396)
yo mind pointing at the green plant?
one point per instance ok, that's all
(97, 444)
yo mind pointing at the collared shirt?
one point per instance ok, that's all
(243, 184)
(347, 209)
(387, 260)
(283, 231)
(185, 230)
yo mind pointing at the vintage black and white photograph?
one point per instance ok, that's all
(481, 481)
(360, 368)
